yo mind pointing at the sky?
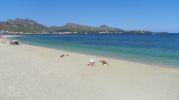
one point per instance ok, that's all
(154, 15)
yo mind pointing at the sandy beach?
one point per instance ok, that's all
(35, 73)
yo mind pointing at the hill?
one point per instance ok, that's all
(72, 27)
(30, 26)
(23, 25)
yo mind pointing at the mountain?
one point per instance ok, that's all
(30, 26)
(72, 27)
(105, 28)
(23, 25)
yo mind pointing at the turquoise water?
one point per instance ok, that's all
(162, 49)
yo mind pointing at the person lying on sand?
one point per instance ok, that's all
(91, 63)
(63, 55)
(14, 42)
(104, 62)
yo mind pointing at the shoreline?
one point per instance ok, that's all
(100, 56)
(105, 57)
(38, 73)
(143, 59)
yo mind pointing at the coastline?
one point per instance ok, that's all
(105, 57)
(100, 56)
(39, 73)
(155, 53)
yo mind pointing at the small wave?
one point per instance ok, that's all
(12, 36)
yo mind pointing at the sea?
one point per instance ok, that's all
(154, 49)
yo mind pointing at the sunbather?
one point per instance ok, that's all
(62, 55)
(104, 62)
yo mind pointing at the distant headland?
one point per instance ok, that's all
(23, 26)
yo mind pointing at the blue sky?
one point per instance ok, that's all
(155, 15)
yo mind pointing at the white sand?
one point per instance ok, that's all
(36, 73)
